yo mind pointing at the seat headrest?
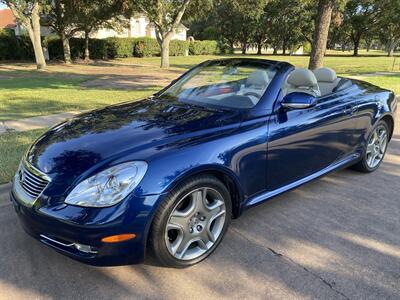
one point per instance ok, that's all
(325, 75)
(258, 78)
(304, 81)
(302, 78)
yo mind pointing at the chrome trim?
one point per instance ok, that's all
(34, 170)
(35, 183)
(296, 105)
(77, 246)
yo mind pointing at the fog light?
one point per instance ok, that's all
(118, 238)
(85, 248)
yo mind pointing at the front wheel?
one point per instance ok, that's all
(191, 222)
(376, 149)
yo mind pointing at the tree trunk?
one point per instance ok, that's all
(87, 53)
(66, 48)
(244, 48)
(391, 47)
(259, 48)
(368, 45)
(356, 42)
(34, 34)
(275, 52)
(165, 53)
(320, 37)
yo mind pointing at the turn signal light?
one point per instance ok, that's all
(118, 238)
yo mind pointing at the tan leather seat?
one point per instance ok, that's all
(303, 81)
(256, 84)
(327, 80)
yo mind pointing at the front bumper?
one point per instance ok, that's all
(65, 228)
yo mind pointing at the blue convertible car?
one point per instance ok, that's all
(166, 174)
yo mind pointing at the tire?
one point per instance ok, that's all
(186, 219)
(365, 165)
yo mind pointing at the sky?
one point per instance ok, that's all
(2, 6)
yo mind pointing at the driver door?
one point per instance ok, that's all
(302, 142)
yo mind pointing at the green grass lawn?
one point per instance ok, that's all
(341, 64)
(391, 82)
(12, 146)
(34, 94)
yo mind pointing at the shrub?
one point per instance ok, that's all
(55, 47)
(97, 47)
(203, 47)
(15, 47)
(178, 48)
(225, 48)
(144, 47)
(119, 47)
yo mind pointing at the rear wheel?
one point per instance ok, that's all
(191, 222)
(376, 149)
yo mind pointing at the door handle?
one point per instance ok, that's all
(350, 109)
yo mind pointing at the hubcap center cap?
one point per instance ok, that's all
(195, 224)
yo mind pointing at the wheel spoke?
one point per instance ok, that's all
(200, 198)
(370, 148)
(182, 247)
(218, 215)
(177, 221)
(203, 243)
(210, 235)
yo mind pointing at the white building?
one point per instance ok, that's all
(136, 27)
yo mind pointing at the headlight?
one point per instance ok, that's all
(109, 186)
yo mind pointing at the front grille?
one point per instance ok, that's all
(32, 181)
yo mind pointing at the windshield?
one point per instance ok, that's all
(233, 84)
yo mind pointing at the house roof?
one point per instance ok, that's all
(7, 19)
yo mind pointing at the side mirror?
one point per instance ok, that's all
(298, 100)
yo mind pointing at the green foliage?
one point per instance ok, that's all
(119, 47)
(203, 47)
(14, 48)
(110, 48)
(178, 48)
(287, 23)
(145, 47)
(54, 47)
(98, 48)
(306, 47)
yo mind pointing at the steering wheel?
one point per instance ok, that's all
(252, 94)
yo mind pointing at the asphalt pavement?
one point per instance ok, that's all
(334, 238)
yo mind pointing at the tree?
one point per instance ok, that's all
(166, 16)
(238, 20)
(360, 18)
(91, 15)
(61, 17)
(27, 13)
(388, 22)
(320, 38)
(248, 15)
(287, 23)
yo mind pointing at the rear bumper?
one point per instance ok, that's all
(66, 236)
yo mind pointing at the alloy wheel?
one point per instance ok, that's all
(195, 224)
(376, 146)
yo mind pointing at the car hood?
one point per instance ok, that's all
(136, 129)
